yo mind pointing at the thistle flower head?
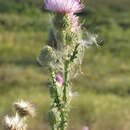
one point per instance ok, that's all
(14, 123)
(64, 6)
(59, 79)
(25, 108)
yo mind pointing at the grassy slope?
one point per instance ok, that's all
(103, 101)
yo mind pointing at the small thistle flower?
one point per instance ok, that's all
(25, 108)
(85, 128)
(64, 6)
(14, 123)
(59, 80)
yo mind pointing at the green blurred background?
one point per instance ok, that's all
(103, 101)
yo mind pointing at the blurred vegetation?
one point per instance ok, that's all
(103, 102)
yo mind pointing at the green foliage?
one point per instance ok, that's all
(104, 88)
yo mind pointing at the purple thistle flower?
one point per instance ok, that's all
(64, 6)
(59, 79)
(85, 128)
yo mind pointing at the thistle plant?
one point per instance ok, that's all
(18, 121)
(62, 56)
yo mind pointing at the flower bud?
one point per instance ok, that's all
(59, 80)
(47, 56)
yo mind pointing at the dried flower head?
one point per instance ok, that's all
(14, 123)
(64, 6)
(25, 108)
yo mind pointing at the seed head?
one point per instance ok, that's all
(14, 123)
(25, 108)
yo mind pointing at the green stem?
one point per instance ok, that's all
(67, 71)
(66, 86)
(63, 105)
(64, 110)
(53, 127)
(57, 99)
(63, 119)
(64, 37)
